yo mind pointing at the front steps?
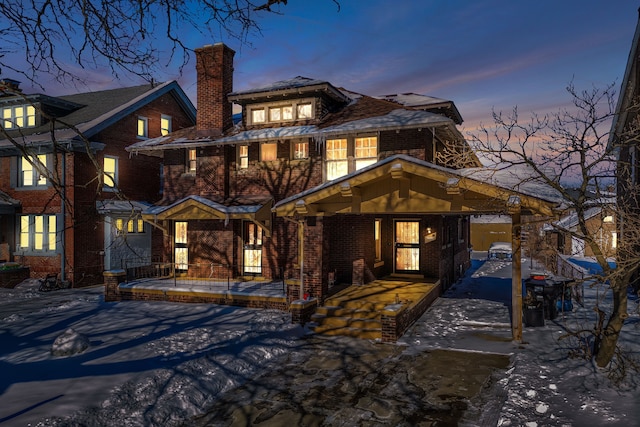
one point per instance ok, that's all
(357, 318)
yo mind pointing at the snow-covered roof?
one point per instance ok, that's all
(100, 110)
(227, 210)
(121, 206)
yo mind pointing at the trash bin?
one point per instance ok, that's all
(533, 315)
(565, 300)
(550, 292)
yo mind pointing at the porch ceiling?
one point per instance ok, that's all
(403, 185)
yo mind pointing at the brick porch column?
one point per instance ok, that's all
(112, 279)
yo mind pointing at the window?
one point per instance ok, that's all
(366, 152)
(29, 175)
(119, 226)
(20, 116)
(165, 125)
(135, 225)
(277, 114)
(257, 116)
(143, 129)
(110, 172)
(268, 151)
(37, 233)
(608, 218)
(304, 111)
(300, 150)
(337, 162)
(377, 237)
(339, 152)
(243, 156)
(192, 160)
(181, 250)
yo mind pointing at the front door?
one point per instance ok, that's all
(252, 248)
(181, 249)
(407, 246)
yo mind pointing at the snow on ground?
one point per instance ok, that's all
(154, 364)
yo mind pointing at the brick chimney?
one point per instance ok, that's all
(214, 67)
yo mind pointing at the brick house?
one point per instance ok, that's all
(64, 211)
(318, 185)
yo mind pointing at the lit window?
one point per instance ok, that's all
(192, 160)
(300, 150)
(277, 114)
(377, 237)
(608, 218)
(165, 125)
(614, 240)
(140, 226)
(19, 117)
(130, 225)
(37, 233)
(110, 172)
(366, 151)
(30, 171)
(257, 116)
(143, 130)
(336, 155)
(243, 156)
(269, 152)
(304, 111)
(119, 226)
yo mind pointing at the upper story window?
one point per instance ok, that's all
(268, 151)
(165, 125)
(257, 116)
(110, 172)
(300, 150)
(19, 116)
(304, 111)
(278, 112)
(143, 127)
(346, 155)
(243, 156)
(29, 173)
(192, 160)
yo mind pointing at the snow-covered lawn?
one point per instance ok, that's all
(159, 363)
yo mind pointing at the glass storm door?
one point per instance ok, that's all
(407, 246)
(181, 251)
(252, 248)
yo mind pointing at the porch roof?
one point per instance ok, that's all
(403, 184)
(8, 204)
(197, 207)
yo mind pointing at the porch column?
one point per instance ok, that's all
(516, 277)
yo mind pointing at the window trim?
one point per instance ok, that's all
(294, 151)
(168, 129)
(263, 152)
(37, 180)
(12, 119)
(145, 122)
(191, 162)
(242, 165)
(268, 106)
(48, 237)
(351, 159)
(114, 178)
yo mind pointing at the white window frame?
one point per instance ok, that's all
(142, 130)
(258, 115)
(192, 161)
(30, 171)
(359, 154)
(19, 116)
(336, 165)
(165, 124)
(299, 150)
(243, 156)
(37, 233)
(304, 106)
(110, 176)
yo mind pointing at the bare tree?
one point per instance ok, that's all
(571, 153)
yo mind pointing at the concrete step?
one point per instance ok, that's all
(369, 334)
(346, 322)
(347, 312)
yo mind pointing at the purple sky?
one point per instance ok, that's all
(479, 54)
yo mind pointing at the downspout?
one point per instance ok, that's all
(63, 214)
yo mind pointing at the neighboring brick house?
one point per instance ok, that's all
(65, 210)
(317, 184)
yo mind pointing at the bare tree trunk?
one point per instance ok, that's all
(607, 340)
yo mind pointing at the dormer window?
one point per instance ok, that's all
(257, 116)
(19, 116)
(279, 112)
(304, 111)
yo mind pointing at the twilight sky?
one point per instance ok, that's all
(480, 54)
